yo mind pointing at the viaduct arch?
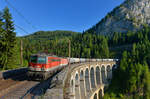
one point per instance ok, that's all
(87, 81)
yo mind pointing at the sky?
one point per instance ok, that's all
(50, 15)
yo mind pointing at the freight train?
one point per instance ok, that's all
(42, 66)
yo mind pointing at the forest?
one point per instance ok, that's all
(130, 80)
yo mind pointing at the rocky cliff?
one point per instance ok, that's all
(131, 15)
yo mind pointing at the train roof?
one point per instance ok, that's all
(43, 54)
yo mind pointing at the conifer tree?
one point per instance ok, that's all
(1, 41)
(10, 40)
(146, 80)
(104, 48)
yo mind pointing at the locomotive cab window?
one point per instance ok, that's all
(41, 60)
(33, 59)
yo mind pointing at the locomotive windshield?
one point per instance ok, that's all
(33, 59)
(41, 60)
(36, 59)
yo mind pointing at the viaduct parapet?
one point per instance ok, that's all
(82, 81)
(88, 81)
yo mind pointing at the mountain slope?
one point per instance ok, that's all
(50, 35)
(131, 15)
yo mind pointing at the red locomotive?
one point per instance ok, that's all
(42, 66)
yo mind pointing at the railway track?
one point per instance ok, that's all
(21, 92)
(6, 85)
(20, 87)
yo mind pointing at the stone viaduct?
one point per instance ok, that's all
(88, 81)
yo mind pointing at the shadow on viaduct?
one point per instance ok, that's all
(88, 81)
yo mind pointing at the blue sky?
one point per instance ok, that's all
(74, 15)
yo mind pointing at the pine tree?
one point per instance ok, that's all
(146, 81)
(104, 48)
(115, 38)
(10, 40)
(1, 41)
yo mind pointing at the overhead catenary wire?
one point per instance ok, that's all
(19, 27)
(22, 29)
(21, 15)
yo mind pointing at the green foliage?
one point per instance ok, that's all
(90, 46)
(82, 45)
(50, 35)
(8, 49)
(123, 41)
(132, 78)
(53, 42)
